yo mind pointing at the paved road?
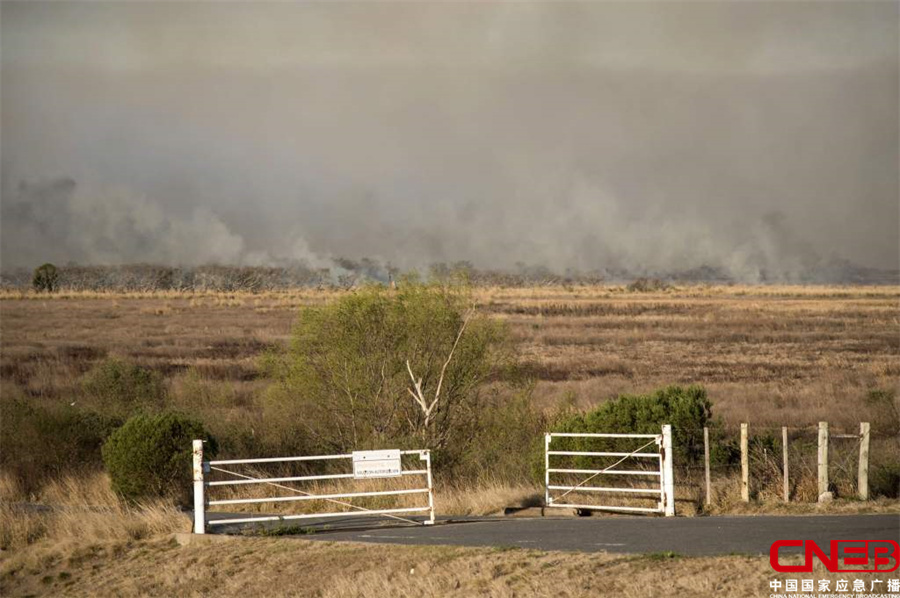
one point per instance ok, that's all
(688, 535)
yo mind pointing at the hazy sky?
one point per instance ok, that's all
(754, 136)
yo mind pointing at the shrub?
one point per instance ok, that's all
(123, 387)
(45, 278)
(884, 479)
(687, 409)
(40, 441)
(150, 456)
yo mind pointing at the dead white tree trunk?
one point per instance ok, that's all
(428, 405)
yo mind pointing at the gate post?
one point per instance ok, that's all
(706, 465)
(546, 470)
(668, 471)
(199, 499)
(745, 462)
(426, 456)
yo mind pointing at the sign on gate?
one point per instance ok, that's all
(376, 464)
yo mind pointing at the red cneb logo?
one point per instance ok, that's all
(885, 556)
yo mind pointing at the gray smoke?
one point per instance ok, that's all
(759, 139)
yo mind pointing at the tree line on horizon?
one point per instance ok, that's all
(346, 273)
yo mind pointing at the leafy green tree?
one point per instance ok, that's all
(384, 366)
(45, 278)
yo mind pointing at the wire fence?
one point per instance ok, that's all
(765, 463)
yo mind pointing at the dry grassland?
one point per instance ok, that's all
(769, 355)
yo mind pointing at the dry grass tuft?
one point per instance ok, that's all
(83, 508)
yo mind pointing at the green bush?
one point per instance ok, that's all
(123, 388)
(884, 479)
(42, 440)
(687, 409)
(45, 278)
(150, 456)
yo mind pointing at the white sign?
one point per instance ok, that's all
(376, 464)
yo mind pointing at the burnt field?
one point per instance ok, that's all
(769, 355)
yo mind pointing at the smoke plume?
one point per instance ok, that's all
(756, 139)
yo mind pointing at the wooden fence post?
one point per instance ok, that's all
(745, 465)
(823, 460)
(863, 481)
(706, 463)
(784, 443)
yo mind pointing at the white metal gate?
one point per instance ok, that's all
(366, 465)
(651, 463)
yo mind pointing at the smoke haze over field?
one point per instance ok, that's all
(759, 138)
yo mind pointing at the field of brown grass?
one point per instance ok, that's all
(769, 355)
